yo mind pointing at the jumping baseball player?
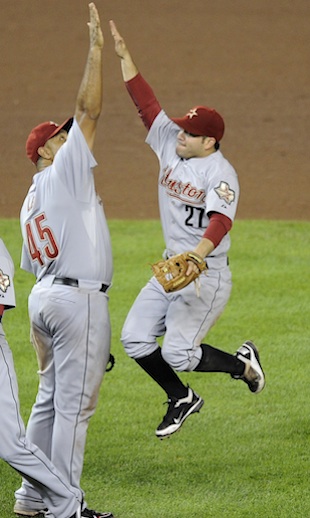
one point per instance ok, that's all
(66, 245)
(198, 195)
(62, 500)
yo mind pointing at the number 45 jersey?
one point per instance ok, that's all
(190, 189)
(63, 224)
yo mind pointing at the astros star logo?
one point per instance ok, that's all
(225, 193)
(4, 281)
(192, 113)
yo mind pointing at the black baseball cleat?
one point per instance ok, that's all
(178, 411)
(253, 374)
(89, 513)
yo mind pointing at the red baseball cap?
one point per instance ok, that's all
(41, 134)
(203, 122)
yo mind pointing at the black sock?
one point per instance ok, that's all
(215, 360)
(163, 374)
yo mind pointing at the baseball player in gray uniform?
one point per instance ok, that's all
(66, 245)
(62, 500)
(198, 193)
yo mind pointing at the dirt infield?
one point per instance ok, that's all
(248, 58)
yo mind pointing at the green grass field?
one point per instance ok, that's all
(243, 455)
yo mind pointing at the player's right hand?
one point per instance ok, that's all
(120, 45)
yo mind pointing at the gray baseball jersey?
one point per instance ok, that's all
(61, 499)
(190, 189)
(63, 224)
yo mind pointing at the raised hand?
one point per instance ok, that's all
(95, 32)
(120, 45)
(129, 68)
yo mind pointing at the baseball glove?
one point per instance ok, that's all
(171, 274)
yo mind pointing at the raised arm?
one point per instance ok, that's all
(89, 98)
(139, 90)
(129, 68)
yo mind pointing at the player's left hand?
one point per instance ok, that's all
(192, 268)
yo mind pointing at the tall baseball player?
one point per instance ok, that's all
(66, 245)
(60, 498)
(198, 194)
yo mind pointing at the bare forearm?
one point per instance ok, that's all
(204, 247)
(89, 99)
(217, 229)
(128, 67)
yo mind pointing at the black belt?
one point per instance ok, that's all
(75, 283)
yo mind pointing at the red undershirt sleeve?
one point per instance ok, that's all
(144, 99)
(218, 227)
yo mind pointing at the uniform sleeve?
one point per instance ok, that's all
(25, 262)
(144, 99)
(162, 136)
(7, 293)
(223, 189)
(218, 227)
(73, 164)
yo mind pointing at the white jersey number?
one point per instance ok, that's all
(44, 234)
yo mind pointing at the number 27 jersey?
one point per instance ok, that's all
(189, 189)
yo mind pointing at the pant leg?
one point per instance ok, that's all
(23, 456)
(190, 317)
(145, 321)
(41, 420)
(80, 363)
